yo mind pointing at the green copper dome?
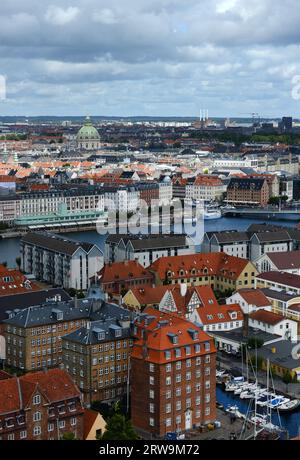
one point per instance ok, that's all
(88, 132)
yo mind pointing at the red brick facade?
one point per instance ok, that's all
(40, 406)
(173, 385)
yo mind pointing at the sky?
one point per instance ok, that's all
(150, 57)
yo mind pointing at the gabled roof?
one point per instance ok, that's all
(131, 269)
(254, 297)
(282, 278)
(212, 264)
(16, 392)
(267, 317)
(285, 260)
(56, 243)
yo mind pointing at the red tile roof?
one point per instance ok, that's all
(14, 282)
(254, 297)
(158, 336)
(16, 392)
(195, 265)
(90, 416)
(267, 317)
(122, 271)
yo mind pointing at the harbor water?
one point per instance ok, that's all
(289, 422)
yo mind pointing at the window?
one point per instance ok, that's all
(168, 408)
(151, 408)
(168, 422)
(151, 380)
(151, 367)
(168, 394)
(62, 424)
(178, 378)
(23, 434)
(168, 368)
(178, 391)
(178, 405)
(36, 400)
(151, 421)
(188, 376)
(73, 421)
(151, 394)
(168, 381)
(37, 417)
(178, 365)
(37, 430)
(50, 427)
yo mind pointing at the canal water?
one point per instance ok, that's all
(9, 249)
(289, 422)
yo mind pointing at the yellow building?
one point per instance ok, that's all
(94, 425)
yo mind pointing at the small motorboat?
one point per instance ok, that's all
(276, 402)
(234, 410)
(290, 406)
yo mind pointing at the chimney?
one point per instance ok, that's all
(246, 326)
(183, 289)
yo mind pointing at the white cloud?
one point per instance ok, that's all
(60, 17)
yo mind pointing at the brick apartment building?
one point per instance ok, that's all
(248, 191)
(40, 406)
(97, 356)
(117, 277)
(173, 383)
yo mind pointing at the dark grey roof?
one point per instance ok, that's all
(89, 336)
(278, 295)
(246, 184)
(141, 242)
(273, 237)
(29, 299)
(280, 353)
(237, 336)
(91, 309)
(56, 243)
(231, 237)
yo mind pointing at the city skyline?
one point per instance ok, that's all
(154, 58)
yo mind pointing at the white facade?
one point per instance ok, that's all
(228, 163)
(165, 193)
(237, 249)
(122, 200)
(204, 192)
(43, 204)
(59, 269)
(287, 328)
(265, 264)
(258, 248)
(247, 307)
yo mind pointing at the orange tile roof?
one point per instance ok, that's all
(266, 317)
(254, 297)
(16, 392)
(212, 264)
(157, 338)
(14, 282)
(149, 295)
(127, 270)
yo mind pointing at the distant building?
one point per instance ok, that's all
(13, 282)
(206, 188)
(122, 276)
(173, 381)
(250, 300)
(40, 406)
(146, 248)
(218, 270)
(275, 324)
(286, 125)
(60, 261)
(280, 261)
(279, 280)
(88, 137)
(248, 192)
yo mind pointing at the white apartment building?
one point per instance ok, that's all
(43, 203)
(205, 188)
(229, 163)
(122, 200)
(60, 261)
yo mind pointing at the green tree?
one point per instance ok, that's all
(119, 429)
(68, 437)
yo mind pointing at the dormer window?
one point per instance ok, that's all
(233, 315)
